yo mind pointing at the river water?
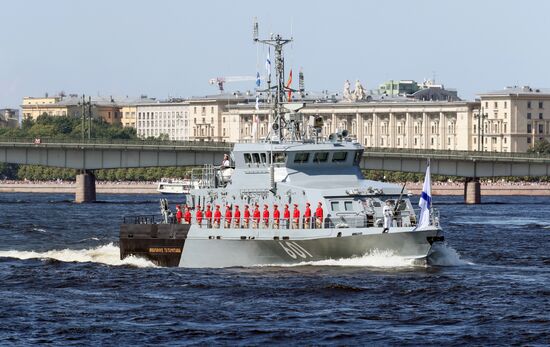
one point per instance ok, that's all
(62, 283)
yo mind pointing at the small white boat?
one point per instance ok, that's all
(174, 186)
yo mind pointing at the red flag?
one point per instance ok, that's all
(288, 85)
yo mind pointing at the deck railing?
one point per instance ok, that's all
(402, 219)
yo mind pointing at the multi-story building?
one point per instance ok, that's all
(394, 123)
(168, 119)
(209, 121)
(128, 110)
(512, 119)
(105, 108)
(35, 106)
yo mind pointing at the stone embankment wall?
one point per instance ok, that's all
(522, 188)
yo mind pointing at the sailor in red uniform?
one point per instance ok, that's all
(319, 216)
(295, 217)
(256, 217)
(217, 217)
(246, 219)
(187, 215)
(228, 215)
(198, 216)
(208, 215)
(307, 216)
(179, 214)
(265, 216)
(276, 216)
(286, 217)
(237, 217)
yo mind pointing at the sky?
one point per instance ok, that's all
(170, 48)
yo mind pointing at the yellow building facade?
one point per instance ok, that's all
(512, 119)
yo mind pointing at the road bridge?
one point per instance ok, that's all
(91, 155)
(470, 164)
(87, 156)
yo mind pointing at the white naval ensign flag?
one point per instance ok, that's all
(425, 202)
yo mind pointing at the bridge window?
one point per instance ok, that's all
(279, 158)
(256, 158)
(335, 206)
(301, 157)
(348, 205)
(263, 158)
(320, 157)
(339, 157)
(247, 158)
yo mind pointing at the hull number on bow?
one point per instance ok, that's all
(294, 250)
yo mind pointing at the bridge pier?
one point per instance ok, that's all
(472, 191)
(85, 187)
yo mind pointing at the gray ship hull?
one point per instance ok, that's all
(249, 250)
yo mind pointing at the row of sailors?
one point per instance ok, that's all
(233, 218)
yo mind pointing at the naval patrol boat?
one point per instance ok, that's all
(293, 166)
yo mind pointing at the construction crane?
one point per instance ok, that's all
(220, 81)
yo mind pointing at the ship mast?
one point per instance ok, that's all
(279, 97)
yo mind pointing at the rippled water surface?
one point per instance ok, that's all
(62, 283)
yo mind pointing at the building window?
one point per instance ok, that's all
(529, 115)
(504, 140)
(496, 104)
(486, 104)
(212, 109)
(528, 140)
(529, 128)
(432, 141)
(475, 129)
(475, 140)
(399, 141)
(381, 141)
(541, 128)
(541, 104)
(528, 104)
(505, 104)
(504, 127)
(415, 141)
(540, 115)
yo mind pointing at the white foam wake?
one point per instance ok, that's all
(445, 255)
(107, 254)
(376, 259)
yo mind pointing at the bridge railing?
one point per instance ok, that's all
(98, 141)
(448, 152)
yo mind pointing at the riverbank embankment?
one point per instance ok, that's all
(438, 188)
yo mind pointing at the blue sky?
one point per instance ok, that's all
(171, 48)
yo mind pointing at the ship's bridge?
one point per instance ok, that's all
(295, 162)
(299, 156)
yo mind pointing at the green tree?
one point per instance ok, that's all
(540, 147)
